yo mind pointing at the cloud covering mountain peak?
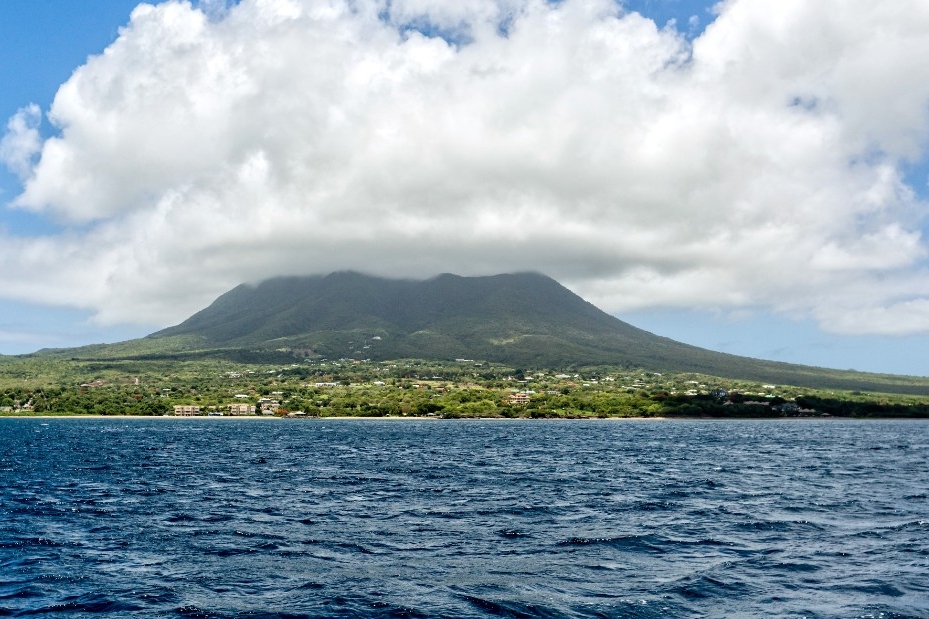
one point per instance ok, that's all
(760, 164)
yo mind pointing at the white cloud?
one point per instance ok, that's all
(904, 318)
(758, 166)
(22, 142)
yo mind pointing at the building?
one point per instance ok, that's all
(241, 409)
(186, 410)
(267, 404)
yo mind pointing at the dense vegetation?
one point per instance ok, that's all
(40, 385)
(541, 351)
(521, 320)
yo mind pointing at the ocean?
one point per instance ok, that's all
(269, 518)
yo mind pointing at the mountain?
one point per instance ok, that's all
(525, 320)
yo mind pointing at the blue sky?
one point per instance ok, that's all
(680, 193)
(43, 41)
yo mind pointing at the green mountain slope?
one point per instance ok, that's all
(526, 319)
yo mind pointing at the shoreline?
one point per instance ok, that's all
(423, 418)
(334, 417)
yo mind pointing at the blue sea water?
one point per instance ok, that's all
(217, 518)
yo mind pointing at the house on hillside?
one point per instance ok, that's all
(241, 409)
(267, 404)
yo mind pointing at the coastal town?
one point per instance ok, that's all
(415, 388)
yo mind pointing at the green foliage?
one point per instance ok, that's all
(523, 320)
(49, 384)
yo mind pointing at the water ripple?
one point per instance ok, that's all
(271, 520)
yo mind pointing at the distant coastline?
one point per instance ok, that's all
(463, 419)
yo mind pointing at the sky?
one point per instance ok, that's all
(751, 177)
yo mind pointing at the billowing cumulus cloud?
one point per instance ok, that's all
(757, 165)
(22, 141)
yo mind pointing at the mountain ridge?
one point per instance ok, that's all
(523, 319)
(474, 311)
